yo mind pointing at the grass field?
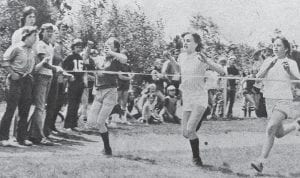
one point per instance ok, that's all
(227, 147)
(156, 151)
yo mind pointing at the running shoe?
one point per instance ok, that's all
(25, 143)
(46, 142)
(107, 152)
(197, 161)
(258, 166)
(5, 143)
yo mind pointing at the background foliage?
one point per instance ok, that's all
(97, 20)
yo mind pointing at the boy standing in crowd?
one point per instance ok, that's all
(74, 62)
(19, 61)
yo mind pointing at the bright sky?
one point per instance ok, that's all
(242, 21)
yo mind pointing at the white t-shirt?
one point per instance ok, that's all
(48, 50)
(191, 67)
(279, 89)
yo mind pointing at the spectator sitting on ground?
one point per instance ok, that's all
(151, 109)
(170, 106)
(151, 89)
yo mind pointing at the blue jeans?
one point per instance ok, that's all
(51, 107)
(104, 102)
(40, 93)
(75, 91)
(19, 95)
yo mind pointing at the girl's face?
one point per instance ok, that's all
(47, 34)
(110, 44)
(30, 19)
(151, 99)
(131, 96)
(78, 49)
(189, 44)
(152, 89)
(172, 92)
(278, 48)
(55, 36)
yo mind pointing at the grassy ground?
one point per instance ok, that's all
(156, 151)
(227, 147)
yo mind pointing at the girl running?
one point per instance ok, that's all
(278, 96)
(195, 97)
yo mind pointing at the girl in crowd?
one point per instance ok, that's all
(194, 95)
(28, 19)
(278, 96)
(106, 88)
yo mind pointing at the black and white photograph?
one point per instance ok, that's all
(149, 88)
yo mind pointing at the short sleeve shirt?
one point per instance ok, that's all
(19, 58)
(48, 51)
(279, 89)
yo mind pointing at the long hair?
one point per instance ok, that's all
(27, 11)
(197, 40)
(285, 43)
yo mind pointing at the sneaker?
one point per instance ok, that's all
(77, 129)
(107, 152)
(4, 143)
(258, 166)
(46, 142)
(68, 130)
(53, 137)
(25, 143)
(197, 161)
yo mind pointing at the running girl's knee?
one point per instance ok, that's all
(185, 134)
(102, 128)
(272, 129)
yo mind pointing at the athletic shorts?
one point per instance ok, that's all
(191, 100)
(287, 107)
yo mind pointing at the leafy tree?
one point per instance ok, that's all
(140, 37)
(209, 32)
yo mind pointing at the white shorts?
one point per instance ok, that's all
(288, 107)
(192, 100)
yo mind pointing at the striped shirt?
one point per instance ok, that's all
(191, 67)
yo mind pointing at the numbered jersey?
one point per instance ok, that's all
(74, 63)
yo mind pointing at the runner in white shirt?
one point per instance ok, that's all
(194, 64)
(278, 94)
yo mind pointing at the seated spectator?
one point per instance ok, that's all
(170, 106)
(151, 109)
(151, 89)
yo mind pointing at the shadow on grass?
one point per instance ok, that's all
(135, 158)
(73, 137)
(228, 171)
(294, 174)
(59, 145)
(111, 130)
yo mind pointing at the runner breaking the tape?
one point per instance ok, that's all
(195, 100)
